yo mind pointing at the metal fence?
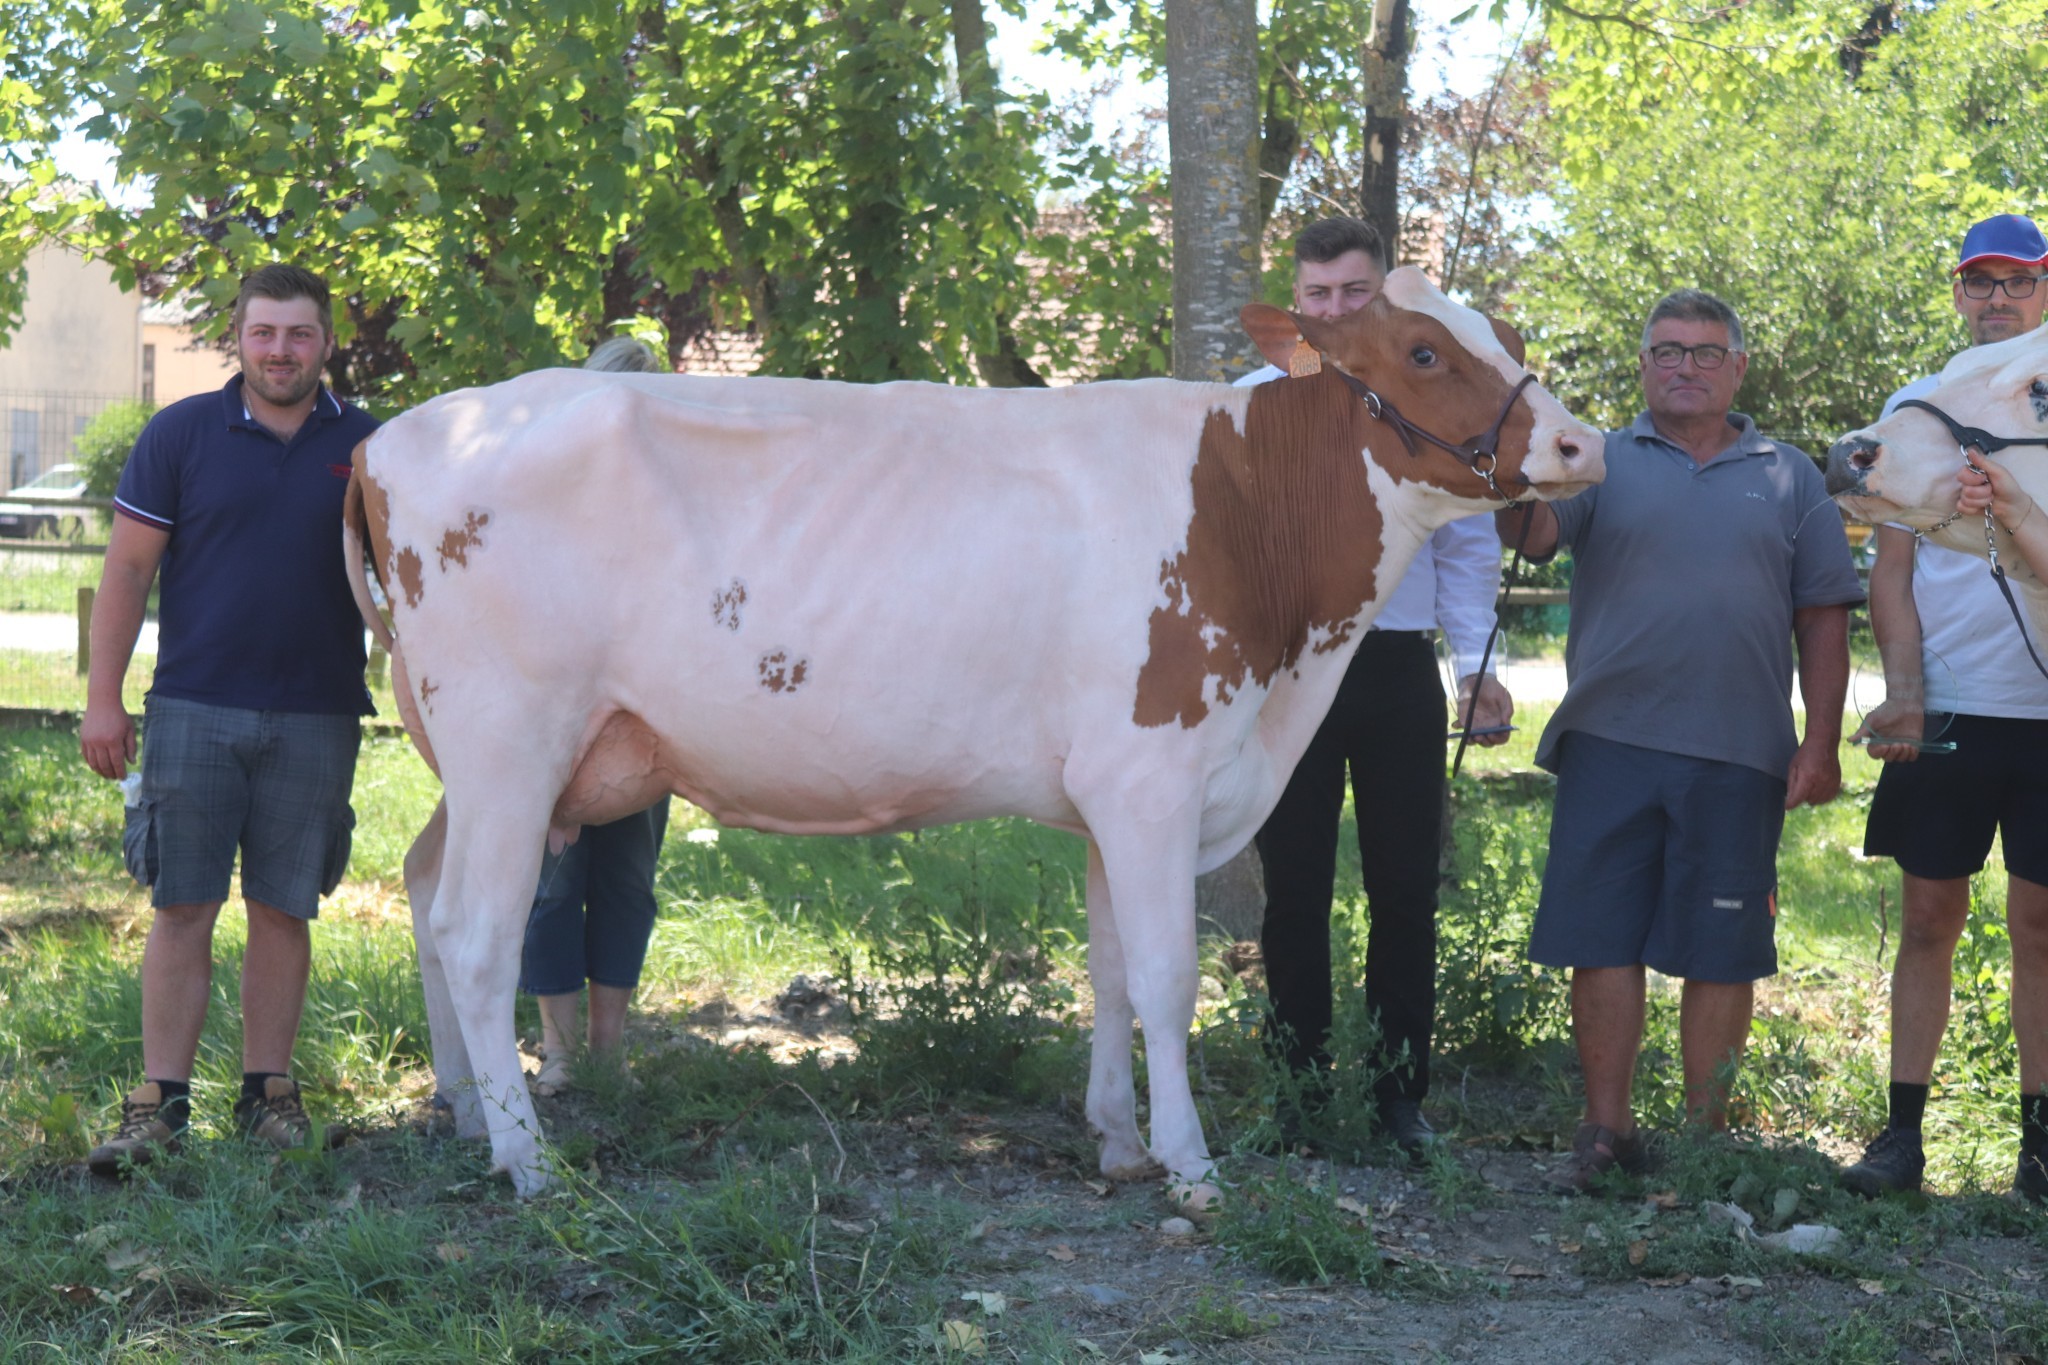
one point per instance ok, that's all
(39, 428)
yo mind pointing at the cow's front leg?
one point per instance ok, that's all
(444, 1032)
(1112, 1097)
(488, 874)
(1151, 876)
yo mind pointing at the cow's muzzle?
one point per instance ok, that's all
(1849, 461)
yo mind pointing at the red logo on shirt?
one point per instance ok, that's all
(340, 471)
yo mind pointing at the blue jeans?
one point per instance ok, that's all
(594, 909)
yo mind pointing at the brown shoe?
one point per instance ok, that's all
(1595, 1152)
(146, 1129)
(278, 1118)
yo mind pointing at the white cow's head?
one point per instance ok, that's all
(1902, 469)
(1451, 372)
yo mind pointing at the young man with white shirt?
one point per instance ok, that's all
(1949, 647)
(1387, 727)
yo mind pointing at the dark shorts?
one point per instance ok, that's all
(1660, 860)
(215, 779)
(595, 908)
(1937, 814)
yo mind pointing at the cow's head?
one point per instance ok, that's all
(1902, 469)
(1453, 373)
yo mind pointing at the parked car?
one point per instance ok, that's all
(22, 521)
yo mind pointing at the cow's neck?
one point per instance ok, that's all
(1285, 552)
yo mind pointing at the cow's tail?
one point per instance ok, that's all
(357, 534)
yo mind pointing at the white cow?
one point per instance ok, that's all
(1120, 609)
(1903, 469)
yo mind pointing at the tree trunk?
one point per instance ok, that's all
(1212, 119)
(1212, 122)
(1004, 367)
(1385, 64)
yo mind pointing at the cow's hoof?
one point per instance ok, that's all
(470, 1125)
(1130, 1170)
(1199, 1201)
(530, 1179)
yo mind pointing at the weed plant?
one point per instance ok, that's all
(1295, 1231)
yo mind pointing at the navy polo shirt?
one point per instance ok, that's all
(255, 608)
(1685, 578)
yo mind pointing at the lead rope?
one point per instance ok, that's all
(1998, 577)
(1990, 543)
(1486, 655)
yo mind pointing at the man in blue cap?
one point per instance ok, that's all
(1949, 647)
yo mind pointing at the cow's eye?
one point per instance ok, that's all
(1423, 356)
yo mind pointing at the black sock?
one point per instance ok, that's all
(175, 1108)
(2034, 1123)
(252, 1083)
(1908, 1105)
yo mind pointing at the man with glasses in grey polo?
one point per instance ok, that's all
(1705, 554)
(1949, 647)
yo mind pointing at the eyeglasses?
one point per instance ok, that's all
(1983, 286)
(1667, 354)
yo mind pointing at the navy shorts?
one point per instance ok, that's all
(215, 779)
(1662, 860)
(595, 908)
(1936, 815)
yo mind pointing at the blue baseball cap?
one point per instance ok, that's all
(2008, 237)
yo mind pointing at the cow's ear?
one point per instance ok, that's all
(1275, 331)
(1511, 339)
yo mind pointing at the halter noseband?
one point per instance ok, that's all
(1481, 454)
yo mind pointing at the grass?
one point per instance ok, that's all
(41, 581)
(741, 1201)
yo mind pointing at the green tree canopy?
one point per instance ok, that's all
(1814, 164)
(489, 184)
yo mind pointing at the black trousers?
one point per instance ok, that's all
(1387, 726)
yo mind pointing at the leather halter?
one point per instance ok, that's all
(1976, 439)
(1481, 454)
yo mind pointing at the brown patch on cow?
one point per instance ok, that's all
(1284, 541)
(458, 541)
(779, 673)
(391, 563)
(725, 605)
(427, 689)
(410, 576)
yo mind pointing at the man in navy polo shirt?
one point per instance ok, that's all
(1706, 553)
(251, 719)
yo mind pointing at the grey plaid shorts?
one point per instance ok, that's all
(273, 784)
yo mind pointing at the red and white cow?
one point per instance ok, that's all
(1903, 469)
(1121, 609)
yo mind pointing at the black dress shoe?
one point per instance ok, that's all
(1401, 1119)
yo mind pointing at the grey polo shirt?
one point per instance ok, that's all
(1684, 581)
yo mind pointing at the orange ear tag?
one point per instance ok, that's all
(1306, 360)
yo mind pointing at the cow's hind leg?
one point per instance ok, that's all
(479, 921)
(444, 1031)
(1112, 1097)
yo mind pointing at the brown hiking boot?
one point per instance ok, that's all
(278, 1118)
(146, 1129)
